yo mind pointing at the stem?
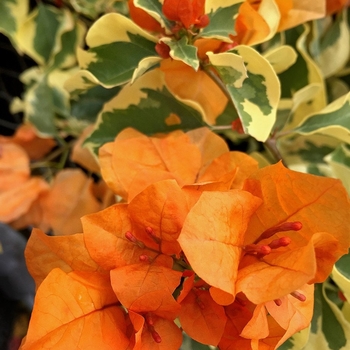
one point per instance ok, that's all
(211, 74)
(271, 145)
(63, 149)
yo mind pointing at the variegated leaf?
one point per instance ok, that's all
(221, 21)
(281, 58)
(147, 106)
(331, 43)
(257, 98)
(302, 73)
(12, 15)
(51, 36)
(181, 51)
(334, 120)
(117, 45)
(339, 161)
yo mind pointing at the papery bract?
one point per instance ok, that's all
(132, 282)
(170, 335)
(69, 199)
(104, 237)
(44, 253)
(320, 204)
(200, 316)
(159, 226)
(84, 313)
(213, 234)
(148, 160)
(26, 137)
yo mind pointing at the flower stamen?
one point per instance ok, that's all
(286, 226)
(259, 250)
(130, 237)
(298, 295)
(150, 232)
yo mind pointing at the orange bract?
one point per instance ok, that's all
(27, 137)
(84, 312)
(70, 198)
(213, 234)
(44, 253)
(185, 11)
(148, 160)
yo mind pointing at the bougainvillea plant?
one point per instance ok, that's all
(184, 166)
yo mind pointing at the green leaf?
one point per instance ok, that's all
(94, 8)
(334, 120)
(144, 66)
(181, 51)
(256, 97)
(329, 328)
(331, 43)
(339, 161)
(117, 45)
(117, 61)
(221, 23)
(12, 14)
(146, 106)
(302, 73)
(87, 105)
(69, 37)
(50, 36)
(47, 24)
(230, 67)
(343, 266)
(40, 110)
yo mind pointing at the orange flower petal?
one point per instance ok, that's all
(143, 19)
(170, 335)
(336, 5)
(161, 208)
(70, 198)
(228, 162)
(135, 162)
(83, 311)
(300, 11)
(202, 318)
(26, 137)
(44, 253)
(293, 315)
(213, 233)
(257, 327)
(82, 155)
(14, 166)
(237, 318)
(279, 274)
(135, 283)
(250, 26)
(104, 237)
(18, 200)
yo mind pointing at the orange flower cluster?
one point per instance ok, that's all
(30, 200)
(205, 243)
